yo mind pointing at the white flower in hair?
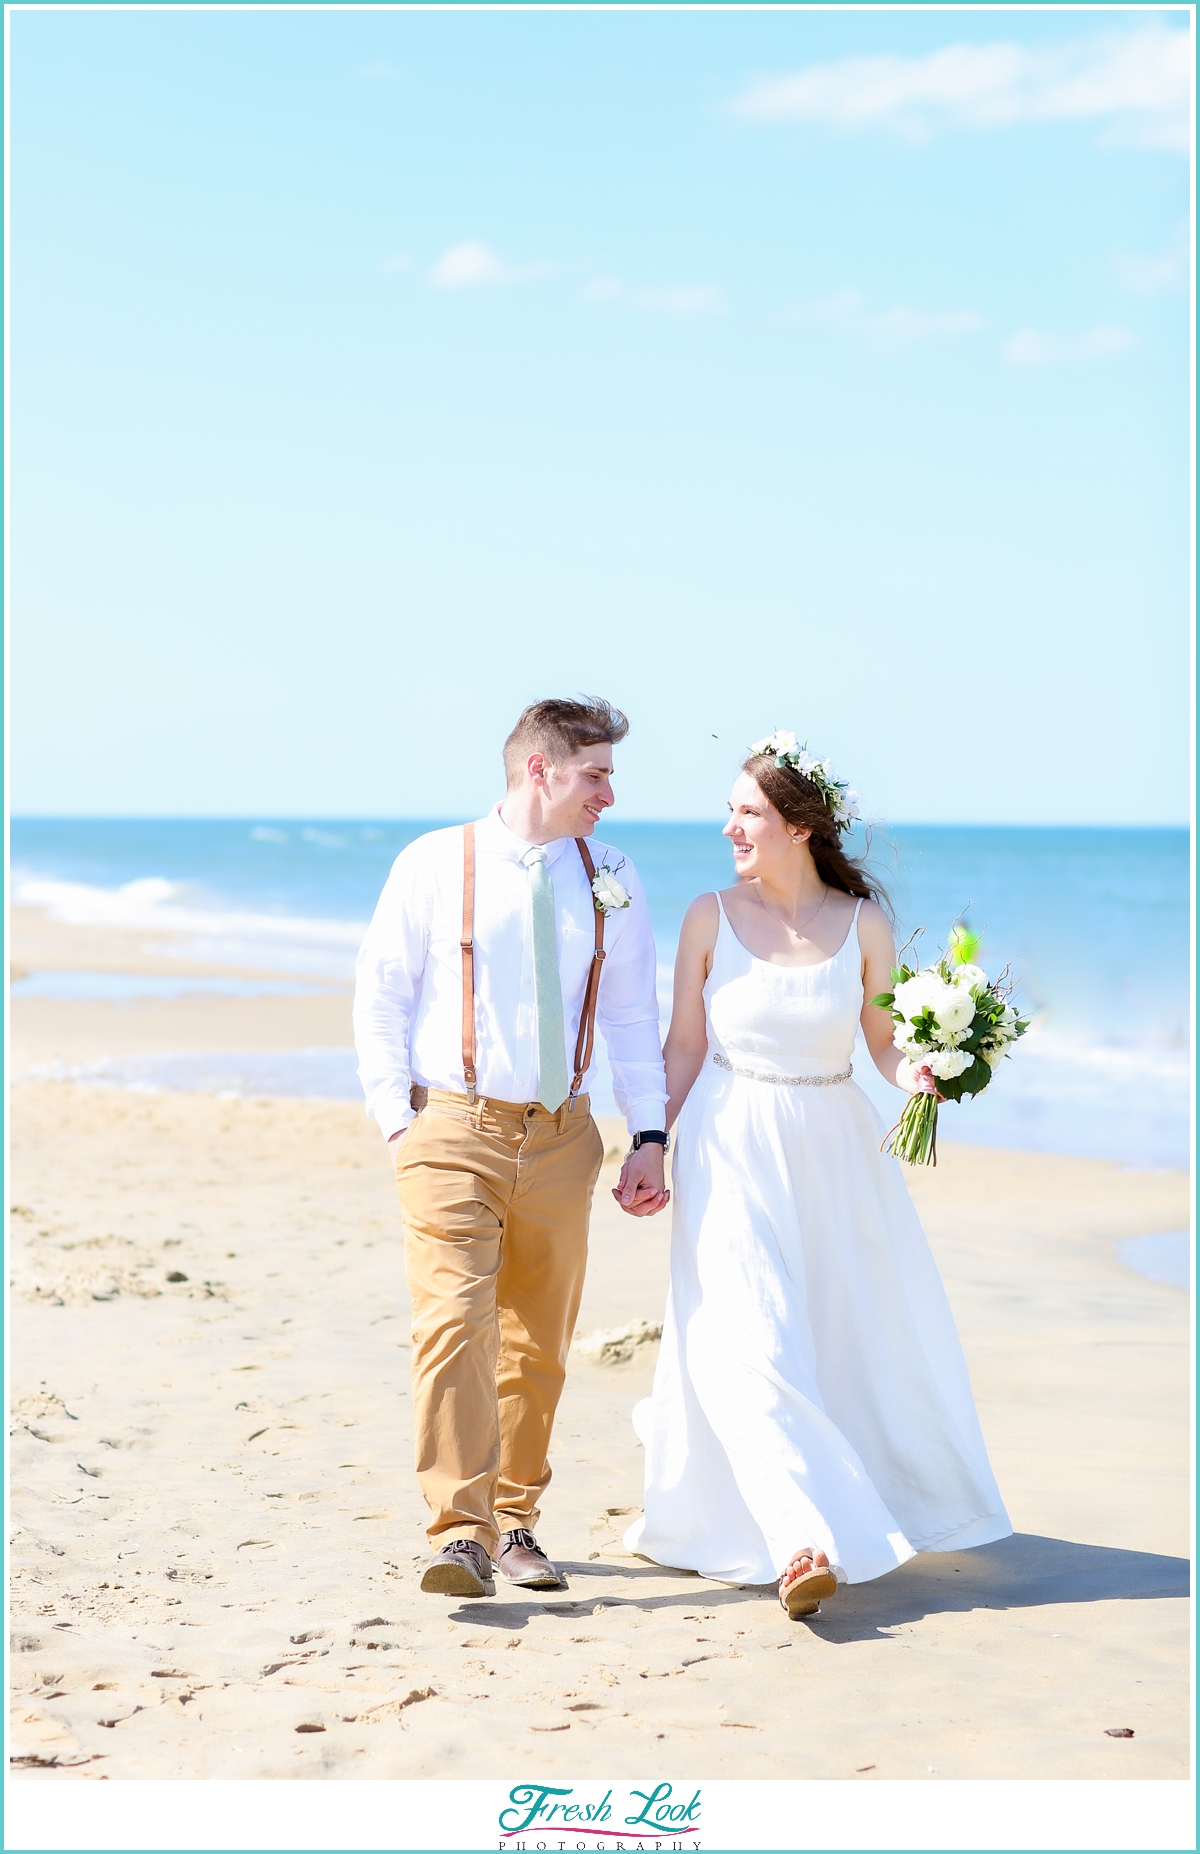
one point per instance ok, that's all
(610, 895)
(840, 801)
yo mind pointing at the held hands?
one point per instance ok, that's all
(639, 1190)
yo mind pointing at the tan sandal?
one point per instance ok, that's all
(804, 1594)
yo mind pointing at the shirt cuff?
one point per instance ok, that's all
(646, 1115)
(393, 1113)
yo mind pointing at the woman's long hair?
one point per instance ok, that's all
(800, 804)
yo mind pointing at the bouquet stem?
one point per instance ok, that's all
(914, 1136)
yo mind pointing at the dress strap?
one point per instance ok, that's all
(721, 906)
(852, 938)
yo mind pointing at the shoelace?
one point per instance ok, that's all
(521, 1536)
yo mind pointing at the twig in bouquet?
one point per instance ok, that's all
(914, 935)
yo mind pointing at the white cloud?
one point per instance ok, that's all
(1139, 82)
(469, 265)
(673, 299)
(848, 312)
(1169, 270)
(1029, 347)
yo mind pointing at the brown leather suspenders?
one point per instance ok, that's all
(585, 1041)
(587, 1021)
(468, 960)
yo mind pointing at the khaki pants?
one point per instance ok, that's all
(496, 1200)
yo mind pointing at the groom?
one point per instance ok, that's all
(495, 950)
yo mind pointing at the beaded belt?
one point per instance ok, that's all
(788, 1081)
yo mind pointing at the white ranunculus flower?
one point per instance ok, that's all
(610, 896)
(970, 976)
(949, 1063)
(762, 746)
(955, 1009)
(993, 1056)
(783, 741)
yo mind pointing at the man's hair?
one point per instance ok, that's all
(560, 728)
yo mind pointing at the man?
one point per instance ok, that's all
(488, 962)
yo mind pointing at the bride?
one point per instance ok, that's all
(811, 1419)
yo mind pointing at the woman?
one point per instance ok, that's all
(811, 1418)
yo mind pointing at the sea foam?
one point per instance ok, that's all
(226, 936)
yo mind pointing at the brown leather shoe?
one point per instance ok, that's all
(461, 1568)
(521, 1559)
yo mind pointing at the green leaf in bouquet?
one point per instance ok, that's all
(885, 1000)
(972, 1081)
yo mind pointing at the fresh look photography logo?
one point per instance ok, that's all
(544, 1816)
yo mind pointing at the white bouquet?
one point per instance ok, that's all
(951, 1020)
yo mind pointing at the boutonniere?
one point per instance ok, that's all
(611, 897)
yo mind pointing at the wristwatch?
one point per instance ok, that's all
(655, 1137)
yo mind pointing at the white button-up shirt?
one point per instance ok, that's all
(408, 994)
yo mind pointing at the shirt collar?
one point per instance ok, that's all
(493, 834)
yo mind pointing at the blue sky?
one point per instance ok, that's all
(376, 373)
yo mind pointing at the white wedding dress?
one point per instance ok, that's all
(811, 1389)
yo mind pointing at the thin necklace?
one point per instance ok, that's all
(795, 931)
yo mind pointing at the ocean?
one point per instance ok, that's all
(1094, 924)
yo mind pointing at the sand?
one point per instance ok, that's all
(217, 1533)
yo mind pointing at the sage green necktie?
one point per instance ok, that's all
(547, 987)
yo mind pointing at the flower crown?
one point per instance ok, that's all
(840, 802)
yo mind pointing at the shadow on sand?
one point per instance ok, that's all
(1023, 1572)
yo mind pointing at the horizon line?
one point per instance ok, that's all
(448, 818)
